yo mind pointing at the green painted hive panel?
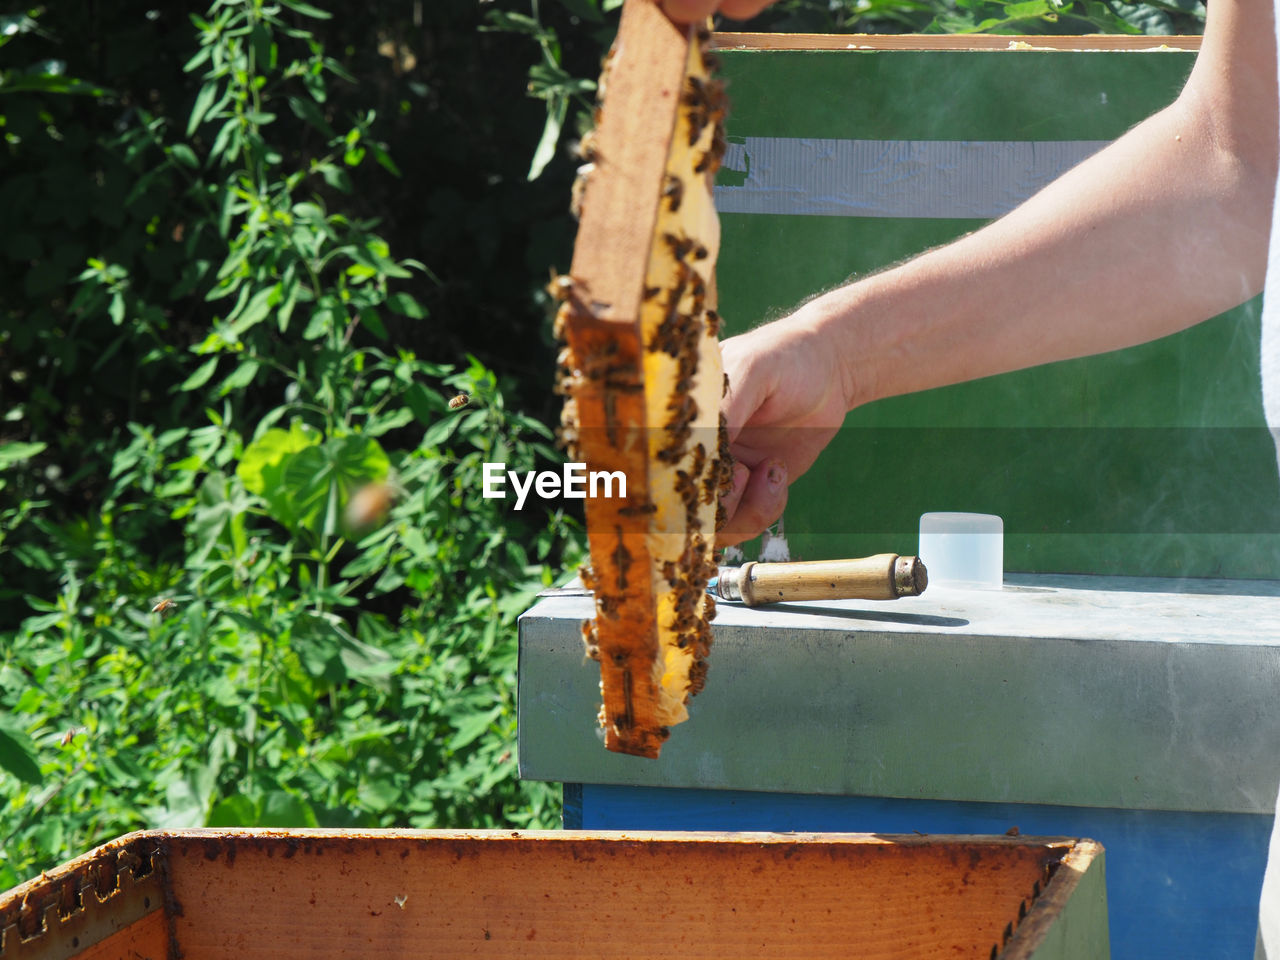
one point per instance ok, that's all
(1152, 461)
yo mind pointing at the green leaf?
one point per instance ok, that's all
(204, 100)
(184, 155)
(306, 9)
(373, 323)
(262, 464)
(49, 83)
(584, 9)
(471, 727)
(317, 481)
(335, 177)
(513, 23)
(12, 452)
(440, 431)
(387, 423)
(239, 378)
(201, 376)
(316, 645)
(306, 110)
(184, 806)
(378, 794)
(253, 311)
(236, 810)
(17, 755)
(365, 662)
(426, 405)
(546, 149)
(281, 809)
(384, 159)
(405, 304)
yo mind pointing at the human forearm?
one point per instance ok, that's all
(1164, 228)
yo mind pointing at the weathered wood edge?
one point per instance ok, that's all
(632, 141)
(1060, 923)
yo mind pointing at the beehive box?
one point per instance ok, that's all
(434, 894)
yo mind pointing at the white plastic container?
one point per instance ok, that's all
(963, 550)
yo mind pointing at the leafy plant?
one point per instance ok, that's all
(286, 601)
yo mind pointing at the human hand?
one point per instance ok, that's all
(786, 400)
(695, 11)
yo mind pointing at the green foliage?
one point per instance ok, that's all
(248, 573)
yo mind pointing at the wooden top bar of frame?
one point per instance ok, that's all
(919, 41)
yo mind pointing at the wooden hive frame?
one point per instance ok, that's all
(211, 894)
(641, 371)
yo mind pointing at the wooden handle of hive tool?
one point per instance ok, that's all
(885, 576)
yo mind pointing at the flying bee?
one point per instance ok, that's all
(369, 506)
(459, 401)
(164, 605)
(69, 736)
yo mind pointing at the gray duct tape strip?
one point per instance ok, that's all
(947, 179)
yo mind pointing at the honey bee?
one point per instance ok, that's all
(713, 330)
(682, 247)
(459, 401)
(697, 677)
(164, 605)
(673, 191)
(369, 505)
(587, 148)
(69, 736)
(608, 606)
(621, 560)
(639, 509)
(578, 192)
(561, 287)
